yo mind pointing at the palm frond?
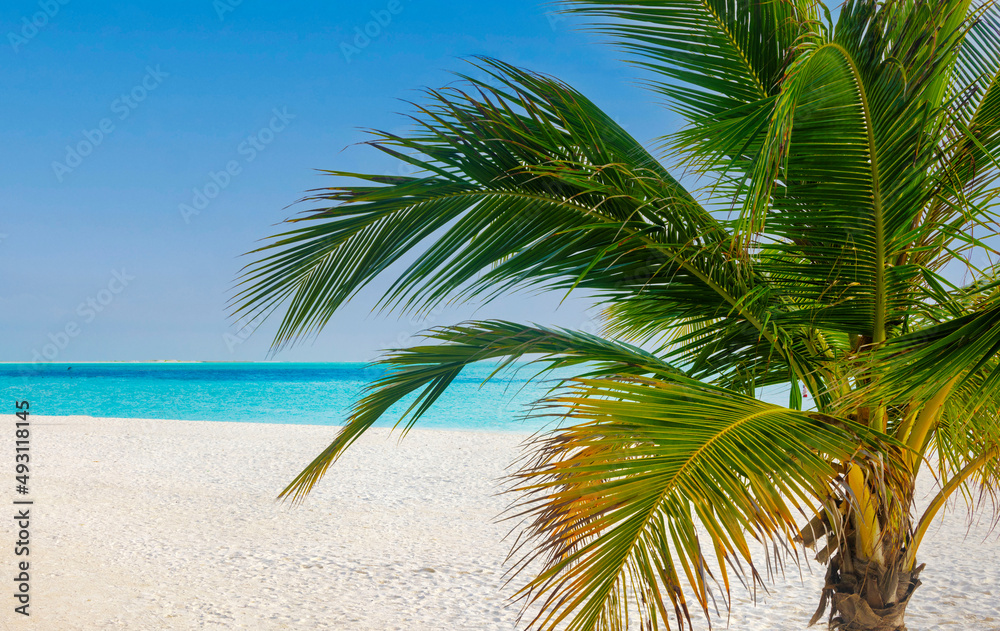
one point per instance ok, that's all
(922, 362)
(615, 500)
(427, 371)
(528, 183)
(862, 159)
(714, 56)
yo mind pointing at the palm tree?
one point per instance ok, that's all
(838, 245)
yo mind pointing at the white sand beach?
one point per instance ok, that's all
(158, 524)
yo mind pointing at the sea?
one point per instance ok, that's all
(264, 392)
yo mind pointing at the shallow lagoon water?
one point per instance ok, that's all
(261, 392)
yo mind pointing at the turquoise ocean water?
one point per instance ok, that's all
(259, 392)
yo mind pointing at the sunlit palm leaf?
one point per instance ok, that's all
(426, 372)
(528, 184)
(862, 159)
(617, 498)
(968, 346)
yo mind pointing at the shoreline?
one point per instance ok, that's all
(162, 524)
(207, 361)
(394, 432)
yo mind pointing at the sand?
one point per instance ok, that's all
(158, 524)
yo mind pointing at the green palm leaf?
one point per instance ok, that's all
(556, 195)
(616, 499)
(427, 371)
(860, 157)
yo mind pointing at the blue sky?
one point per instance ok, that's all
(114, 115)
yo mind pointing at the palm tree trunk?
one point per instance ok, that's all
(866, 595)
